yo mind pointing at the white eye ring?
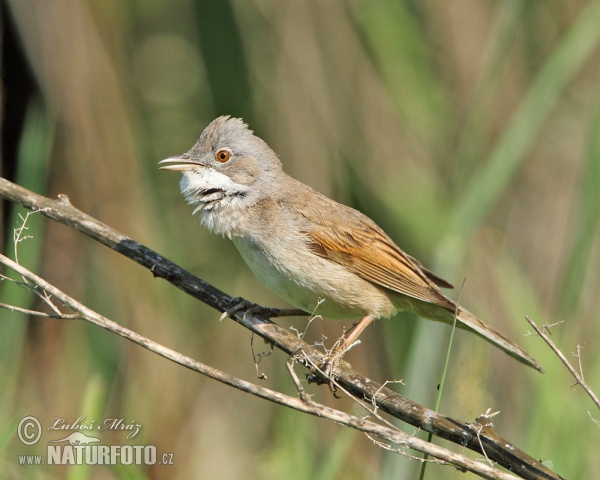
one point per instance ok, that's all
(223, 155)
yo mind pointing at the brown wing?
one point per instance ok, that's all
(362, 247)
(439, 281)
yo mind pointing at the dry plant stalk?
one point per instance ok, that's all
(578, 376)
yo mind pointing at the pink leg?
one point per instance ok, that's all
(338, 352)
(355, 331)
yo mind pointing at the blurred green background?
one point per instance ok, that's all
(469, 130)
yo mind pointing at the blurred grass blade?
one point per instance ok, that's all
(398, 46)
(337, 455)
(32, 171)
(586, 224)
(129, 472)
(8, 430)
(486, 187)
(92, 407)
(478, 124)
(438, 400)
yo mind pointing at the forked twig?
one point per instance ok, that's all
(303, 395)
(257, 357)
(563, 359)
(35, 313)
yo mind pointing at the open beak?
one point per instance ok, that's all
(178, 164)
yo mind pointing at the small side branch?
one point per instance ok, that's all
(578, 375)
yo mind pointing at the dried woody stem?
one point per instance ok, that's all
(305, 405)
(496, 448)
(563, 359)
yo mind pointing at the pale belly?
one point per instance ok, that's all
(304, 283)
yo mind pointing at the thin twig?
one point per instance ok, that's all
(564, 360)
(62, 316)
(18, 238)
(578, 355)
(257, 357)
(339, 387)
(479, 425)
(399, 451)
(594, 420)
(546, 327)
(18, 233)
(312, 318)
(384, 385)
(303, 395)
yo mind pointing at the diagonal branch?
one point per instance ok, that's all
(563, 359)
(389, 433)
(496, 448)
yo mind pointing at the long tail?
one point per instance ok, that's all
(468, 321)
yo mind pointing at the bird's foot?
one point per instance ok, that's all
(329, 369)
(332, 362)
(240, 303)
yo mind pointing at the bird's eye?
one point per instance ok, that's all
(223, 155)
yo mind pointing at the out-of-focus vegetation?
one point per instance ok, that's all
(469, 130)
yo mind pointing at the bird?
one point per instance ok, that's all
(307, 248)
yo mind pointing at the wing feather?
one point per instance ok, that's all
(367, 251)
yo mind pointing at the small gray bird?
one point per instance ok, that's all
(306, 247)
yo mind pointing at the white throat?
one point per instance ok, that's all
(220, 201)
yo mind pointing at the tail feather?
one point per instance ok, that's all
(468, 321)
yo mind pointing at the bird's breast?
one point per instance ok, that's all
(289, 269)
